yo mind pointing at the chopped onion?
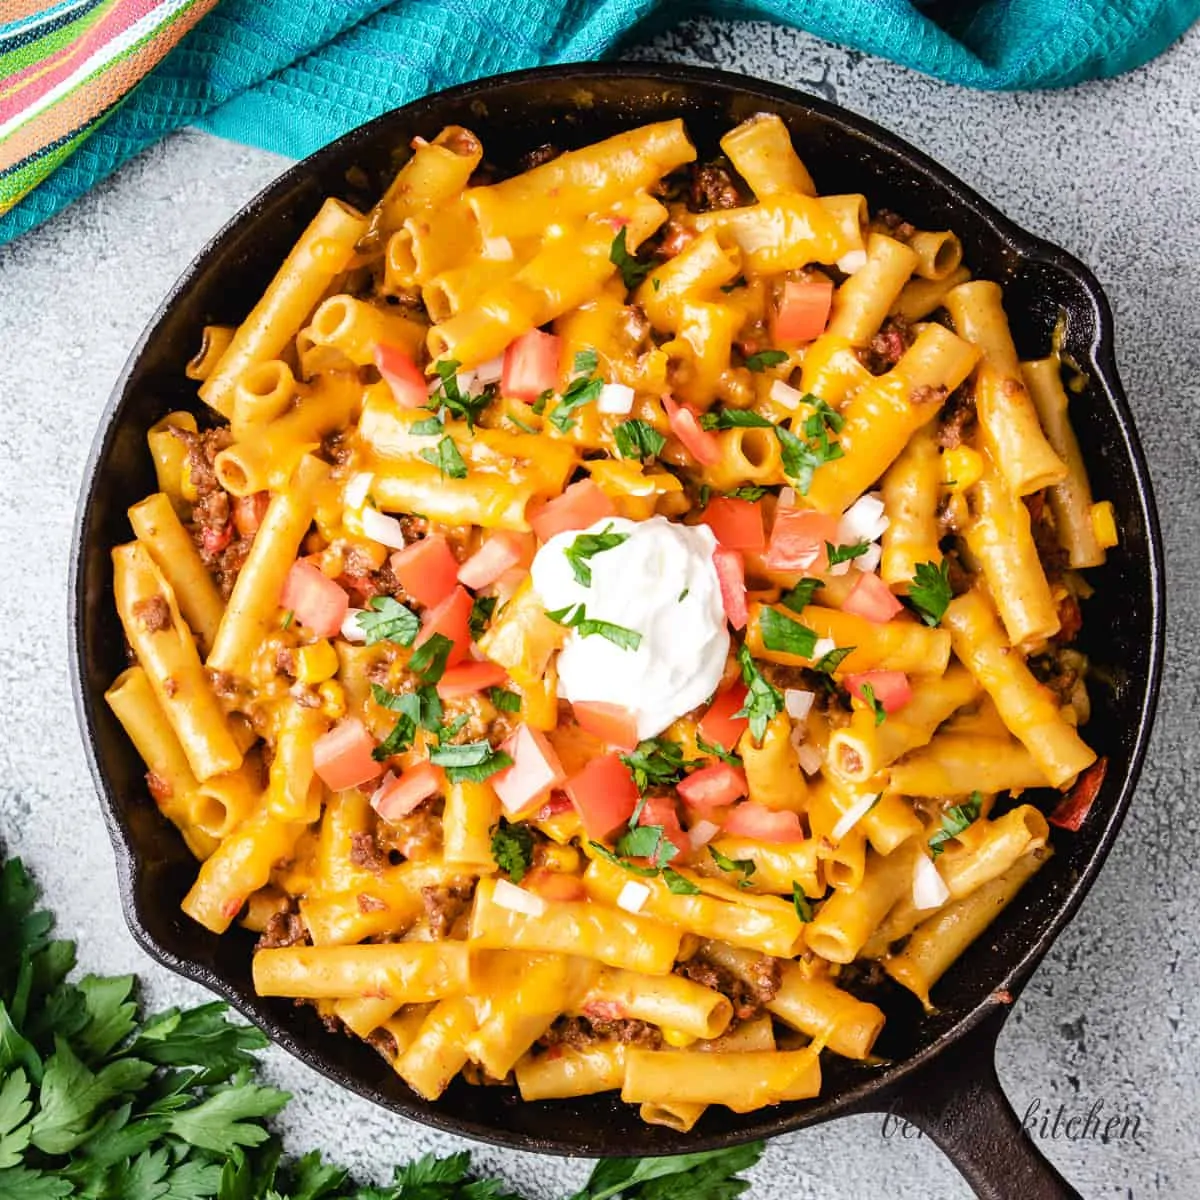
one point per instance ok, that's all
(786, 395)
(498, 249)
(633, 896)
(434, 385)
(490, 371)
(798, 703)
(822, 647)
(851, 261)
(852, 816)
(863, 521)
(518, 900)
(787, 497)
(467, 382)
(841, 568)
(381, 528)
(929, 888)
(809, 757)
(869, 559)
(702, 833)
(615, 398)
(384, 784)
(356, 491)
(350, 630)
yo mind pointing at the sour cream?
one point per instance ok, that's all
(660, 582)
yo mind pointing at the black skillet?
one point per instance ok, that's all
(940, 1071)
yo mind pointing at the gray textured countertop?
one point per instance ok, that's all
(1110, 171)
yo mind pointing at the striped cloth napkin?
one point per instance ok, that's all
(86, 84)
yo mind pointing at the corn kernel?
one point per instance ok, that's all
(677, 1038)
(333, 699)
(315, 663)
(333, 562)
(561, 858)
(187, 489)
(1104, 523)
(961, 468)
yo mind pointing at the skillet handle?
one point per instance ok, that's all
(959, 1103)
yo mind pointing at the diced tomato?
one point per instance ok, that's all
(581, 505)
(248, 512)
(554, 885)
(798, 539)
(731, 574)
(407, 791)
(215, 540)
(871, 598)
(1070, 812)
(317, 602)
(890, 688)
(535, 770)
(660, 810)
(604, 795)
(501, 552)
(713, 787)
(530, 365)
(468, 678)
(558, 803)
(718, 726)
(609, 722)
(803, 311)
(763, 824)
(737, 524)
(342, 757)
(408, 383)
(427, 569)
(452, 619)
(685, 425)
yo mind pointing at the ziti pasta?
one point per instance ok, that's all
(605, 609)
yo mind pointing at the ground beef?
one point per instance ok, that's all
(887, 347)
(365, 852)
(675, 238)
(369, 904)
(284, 929)
(383, 1042)
(748, 996)
(784, 677)
(539, 155)
(1059, 672)
(1045, 536)
(285, 663)
(224, 567)
(334, 448)
(417, 835)
(202, 448)
(895, 224)
(957, 418)
(1070, 619)
(444, 905)
(928, 394)
(712, 187)
(582, 1032)
(153, 613)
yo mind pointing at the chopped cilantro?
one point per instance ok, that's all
(656, 762)
(387, 620)
(421, 708)
(482, 609)
(747, 493)
(743, 865)
(763, 699)
(766, 358)
(539, 405)
(574, 616)
(512, 848)
(504, 700)
(583, 389)
(637, 439)
(800, 597)
(872, 702)
(428, 426)
(472, 762)
(586, 546)
(828, 663)
(677, 884)
(955, 820)
(715, 751)
(734, 418)
(785, 635)
(841, 554)
(930, 592)
(288, 618)
(802, 904)
(446, 458)
(429, 658)
(632, 271)
(450, 397)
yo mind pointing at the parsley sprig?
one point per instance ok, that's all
(387, 620)
(763, 699)
(657, 762)
(637, 439)
(930, 592)
(450, 398)
(512, 848)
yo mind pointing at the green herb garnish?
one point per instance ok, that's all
(387, 620)
(512, 848)
(871, 701)
(743, 866)
(586, 546)
(955, 820)
(766, 358)
(446, 458)
(656, 762)
(482, 609)
(504, 700)
(632, 271)
(574, 616)
(637, 439)
(841, 554)
(803, 906)
(763, 699)
(429, 658)
(785, 635)
(930, 592)
(800, 597)
(472, 762)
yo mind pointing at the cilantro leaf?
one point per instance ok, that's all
(504, 700)
(512, 848)
(586, 546)
(471, 762)
(828, 663)
(821, 418)
(586, 362)
(734, 418)
(656, 762)
(745, 866)
(801, 460)
(800, 597)
(955, 820)
(763, 699)
(801, 903)
(766, 358)
(747, 493)
(637, 439)
(482, 610)
(618, 861)
(449, 395)
(646, 841)
(841, 554)
(784, 635)
(387, 620)
(581, 390)
(446, 458)
(574, 616)
(679, 885)
(429, 658)
(428, 427)
(872, 702)
(715, 751)
(421, 708)
(632, 271)
(930, 592)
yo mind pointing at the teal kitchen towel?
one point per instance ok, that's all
(291, 75)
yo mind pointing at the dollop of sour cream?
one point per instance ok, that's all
(661, 582)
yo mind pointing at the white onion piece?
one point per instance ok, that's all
(355, 495)
(809, 757)
(852, 816)
(702, 833)
(467, 383)
(787, 497)
(785, 395)
(615, 398)
(350, 630)
(518, 900)
(498, 249)
(798, 703)
(868, 560)
(863, 521)
(851, 261)
(434, 385)
(384, 784)
(929, 888)
(490, 371)
(381, 528)
(841, 568)
(822, 647)
(633, 896)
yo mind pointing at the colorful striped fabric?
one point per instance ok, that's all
(86, 84)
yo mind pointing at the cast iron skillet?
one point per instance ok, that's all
(940, 1072)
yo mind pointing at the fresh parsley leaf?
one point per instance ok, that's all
(647, 841)
(429, 658)
(800, 597)
(743, 866)
(802, 904)
(930, 592)
(828, 663)
(605, 853)
(504, 700)
(586, 362)
(446, 458)
(747, 493)
(872, 702)
(482, 610)
(955, 820)
(586, 546)
(705, 1175)
(734, 418)
(785, 635)
(841, 554)
(421, 708)
(763, 699)
(450, 397)
(821, 418)
(581, 390)
(766, 358)
(471, 762)
(656, 762)
(574, 616)
(715, 751)
(677, 884)
(637, 439)
(632, 271)
(705, 494)
(801, 460)
(512, 848)
(387, 620)
(428, 427)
